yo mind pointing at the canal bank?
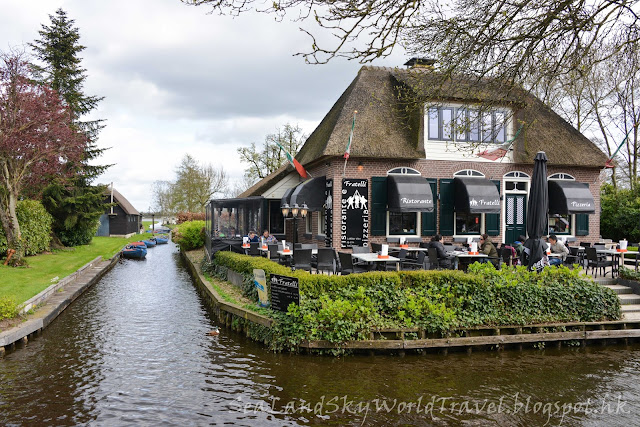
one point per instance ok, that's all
(45, 307)
(414, 339)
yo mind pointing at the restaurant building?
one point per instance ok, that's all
(423, 162)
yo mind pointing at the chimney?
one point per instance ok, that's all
(427, 63)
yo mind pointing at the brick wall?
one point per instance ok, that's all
(332, 168)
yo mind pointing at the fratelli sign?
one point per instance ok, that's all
(473, 202)
(354, 213)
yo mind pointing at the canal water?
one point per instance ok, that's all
(133, 350)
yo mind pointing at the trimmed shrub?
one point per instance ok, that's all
(190, 216)
(341, 308)
(35, 227)
(8, 308)
(189, 235)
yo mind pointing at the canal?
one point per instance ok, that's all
(134, 350)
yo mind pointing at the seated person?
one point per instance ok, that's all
(519, 245)
(253, 237)
(271, 240)
(443, 259)
(487, 247)
(559, 248)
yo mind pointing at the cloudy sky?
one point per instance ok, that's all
(179, 80)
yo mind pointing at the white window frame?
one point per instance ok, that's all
(418, 226)
(561, 176)
(308, 223)
(497, 134)
(405, 171)
(321, 223)
(455, 232)
(468, 173)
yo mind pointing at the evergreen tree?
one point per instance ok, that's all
(75, 206)
(58, 50)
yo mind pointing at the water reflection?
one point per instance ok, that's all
(134, 350)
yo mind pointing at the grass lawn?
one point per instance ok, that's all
(23, 283)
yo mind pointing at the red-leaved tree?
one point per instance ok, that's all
(37, 140)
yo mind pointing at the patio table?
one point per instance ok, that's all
(372, 258)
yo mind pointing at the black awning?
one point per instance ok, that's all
(409, 193)
(310, 193)
(570, 197)
(476, 195)
(287, 197)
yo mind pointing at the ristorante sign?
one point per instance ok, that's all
(354, 213)
(328, 217)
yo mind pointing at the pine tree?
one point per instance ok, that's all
(58, 50)
(76, 205)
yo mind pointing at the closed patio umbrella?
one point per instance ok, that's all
(537, 211)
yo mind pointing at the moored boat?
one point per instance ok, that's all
(161, 240)
(142, 244)
(150, 242)
(134, 251)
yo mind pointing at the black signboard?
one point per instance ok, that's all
(284, 291)
(354, 213)
(328, 212)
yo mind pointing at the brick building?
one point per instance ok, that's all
(415, 170)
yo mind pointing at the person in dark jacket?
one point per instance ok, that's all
(437, 243)
(488, 248)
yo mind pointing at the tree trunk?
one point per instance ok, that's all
(9, 220)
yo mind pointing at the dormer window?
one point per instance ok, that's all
(467, 124)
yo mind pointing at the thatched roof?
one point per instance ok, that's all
(390, 120)
(122, 201)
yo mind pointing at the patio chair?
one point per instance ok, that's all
(434, 262)
(273, 252)
(424, 245)
(594, 262)
(585, 244)
(574, 256)
(360, 249)
(402, 255)
(253, 249)
(326, 257)
(346, 264)
(506, 255)
(302, 259)
(376, 247)
(417, 264)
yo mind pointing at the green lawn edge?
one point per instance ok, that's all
(22, 283)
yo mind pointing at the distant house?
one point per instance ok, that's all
(123, 220)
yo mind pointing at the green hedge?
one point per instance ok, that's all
(35, 227)
(341, 308)
(189, 235)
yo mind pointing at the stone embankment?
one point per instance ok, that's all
(48, 304)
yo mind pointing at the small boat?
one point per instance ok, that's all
(134, 252)
(150, 243)
(161, 240)
(136, 244)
